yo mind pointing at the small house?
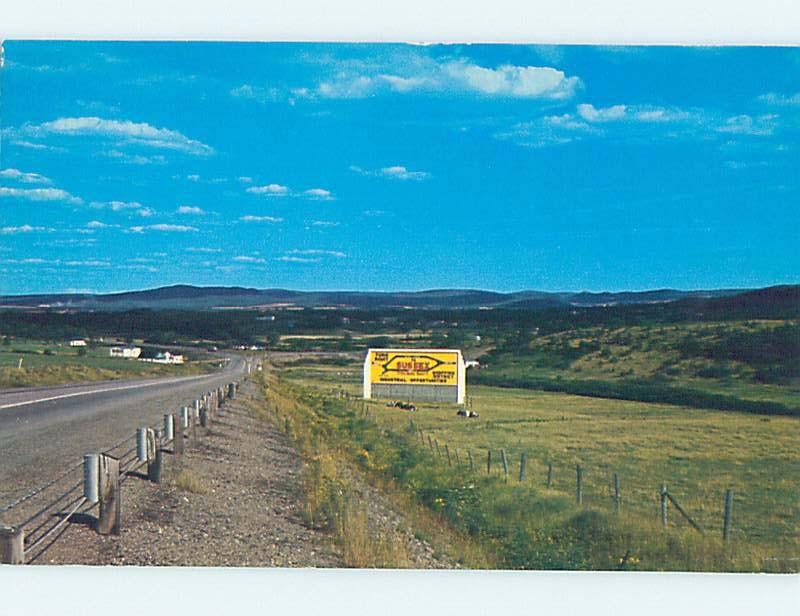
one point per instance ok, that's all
(126, 352)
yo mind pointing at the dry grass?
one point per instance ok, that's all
(332, 501)
(187, 481)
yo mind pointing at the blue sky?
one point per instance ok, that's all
(396, 167)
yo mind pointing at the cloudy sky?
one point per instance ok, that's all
(388, 167)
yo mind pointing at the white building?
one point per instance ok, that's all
(79, 342)
(166, 358)
(128, 352)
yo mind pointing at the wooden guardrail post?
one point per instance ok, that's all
(203, 417)
(726, 524)
(154, 459)
(12, 545)
(178, 444)
(194, 416)
(663, 494)
(578, 484)
(231, 391)
(108, 521)
(523, 461)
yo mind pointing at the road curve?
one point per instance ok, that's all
(43, 429)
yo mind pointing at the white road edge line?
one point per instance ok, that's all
(100, 391)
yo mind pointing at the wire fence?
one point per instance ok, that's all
(516, 467)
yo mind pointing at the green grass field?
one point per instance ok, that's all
(49, 363)
(697, 453)
(739, 362)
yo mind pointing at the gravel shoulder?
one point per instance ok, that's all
(234, 499)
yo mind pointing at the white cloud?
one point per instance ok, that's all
(748, 125)
(190, 209)
(136, 159)
(402, 173)
(193, 177)
(22, 143)
(459, 76)
(324, 223)
(88, 263)
(290, 259)
(22, 229)
(23, 177)
(318, 194)
(123, 131)
(773, 98)
(251, 218)
(40, 194)
(204, 250)
(397, 172)
(164, 227)
(248, 259)
(122, 206)
(257, 93)
(616, 121)
(590, 113)
(279, 190)
(318, 252)
(96, 224)
(245, 179)
(271, 190)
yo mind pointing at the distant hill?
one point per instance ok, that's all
(197, 298)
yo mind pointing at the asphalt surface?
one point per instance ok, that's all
(46, 429)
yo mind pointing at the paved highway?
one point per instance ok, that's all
(44, 429)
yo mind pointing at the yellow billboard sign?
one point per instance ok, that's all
(414, 367)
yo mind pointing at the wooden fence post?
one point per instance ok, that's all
(177, 440)
(505, 464)
(617, 495)
(438, 451)
(203, 417)
(663, 494)
(458, 461)
(489, 462)
(579, 484)
(12, 545)
(447, 451)
(523, 461)
(549, 474)
(469, 457)
(430, 443)
(726, 524)
(108, 521)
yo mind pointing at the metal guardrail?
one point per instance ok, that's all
(27, 540)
